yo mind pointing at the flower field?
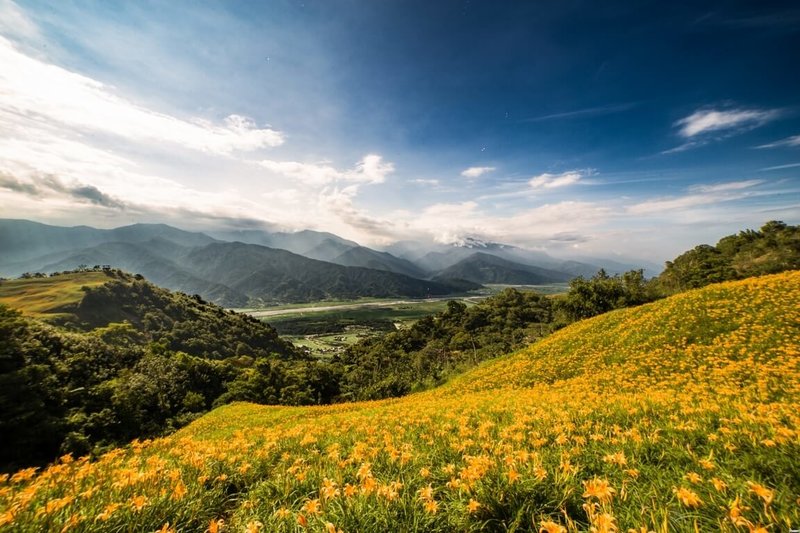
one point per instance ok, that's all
(680, 415)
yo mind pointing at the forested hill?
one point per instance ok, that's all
(93, 359)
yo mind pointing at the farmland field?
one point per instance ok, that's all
(326, 328)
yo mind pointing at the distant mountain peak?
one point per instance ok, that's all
(476, 243)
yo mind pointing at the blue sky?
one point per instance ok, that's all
(632, 129)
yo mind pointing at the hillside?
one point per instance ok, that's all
(485, 268)
(275, 276)
(49, 296)
(94, 359)
(680, 415)
(367, 258)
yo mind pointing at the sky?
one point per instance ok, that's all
(581, 128)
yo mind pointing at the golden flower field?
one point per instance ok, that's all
(680, 415)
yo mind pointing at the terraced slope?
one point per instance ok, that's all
(682, 415)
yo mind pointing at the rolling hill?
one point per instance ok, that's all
(680, 415)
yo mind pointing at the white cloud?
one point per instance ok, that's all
(476, 172)
(699, 195)
(35, 93)
(781, 167)
(552, 181)
(423, 181)
(789, 141)
(729, 186)
(709, 120)
(370, 169)
(14, 22)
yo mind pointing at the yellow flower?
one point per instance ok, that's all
(108, 511)
(693, 477)
(431, 506)
(253, 527)
(179, 491)
(283, 512)
(600, 489)
(761, 491)
(473, 506)
(513, 475)
(719, 484)
(604, 523)
(215, 526)
(735, 513)
(426, 493)
(617, 458)
(138, 502)
(688, 497)
(312, 507)
(548, 526)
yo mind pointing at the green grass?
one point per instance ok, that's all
(51, 296)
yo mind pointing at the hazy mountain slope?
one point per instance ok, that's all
(485, 268)
(368, 258)
(297, 242)
(327, 250)
(159, 261)
(273, 275)
(22, 239)
(27, 245)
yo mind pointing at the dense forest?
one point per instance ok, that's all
(132, 360)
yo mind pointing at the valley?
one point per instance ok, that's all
(327, 328)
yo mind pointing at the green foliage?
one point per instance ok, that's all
(602, 293)
(439, 345)
(774, 248)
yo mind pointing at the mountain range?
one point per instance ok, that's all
(254, 267)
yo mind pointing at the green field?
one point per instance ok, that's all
(42, 297)
(327, 332)
(328, 327)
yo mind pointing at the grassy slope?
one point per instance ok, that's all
(40, 297)
(681, 415)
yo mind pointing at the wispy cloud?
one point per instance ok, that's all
(699, 195)
(552, 181)
(729, 186)
(14, 22)
(90, 106)
(424, 181)
(585, 112)
(476, 172)
(780, 167)
(371, 169)
(789, 141)
(708, 125)
(710, 120)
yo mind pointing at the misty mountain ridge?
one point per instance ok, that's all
(281, 267)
